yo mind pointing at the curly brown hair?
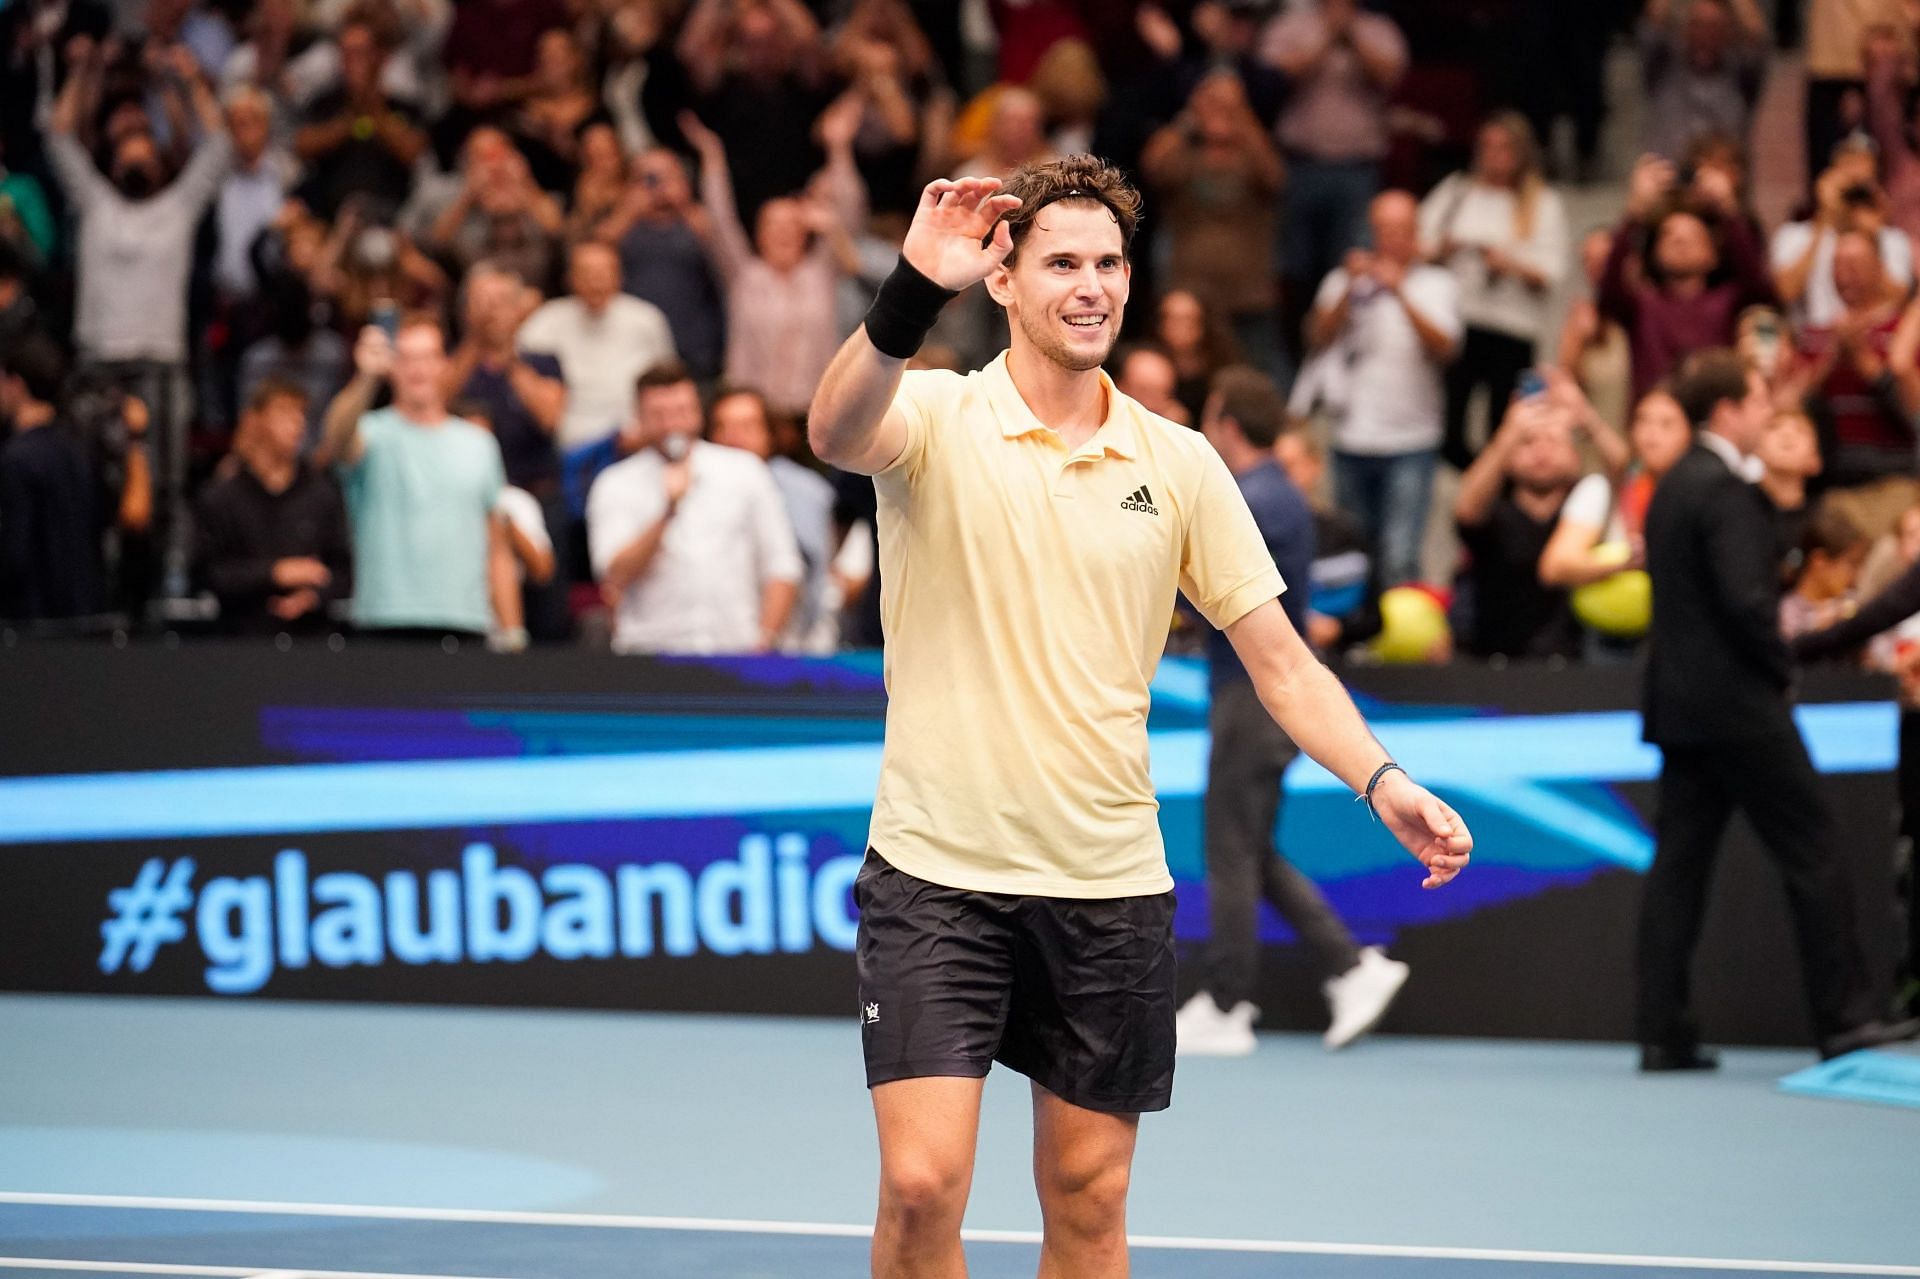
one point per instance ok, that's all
(1081, 179)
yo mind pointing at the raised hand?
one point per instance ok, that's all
(957, 237)
(702, 139)
(1425, 827)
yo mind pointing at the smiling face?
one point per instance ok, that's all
(1066, 292)
(780, 233)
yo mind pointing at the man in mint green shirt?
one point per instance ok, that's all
(420, 488)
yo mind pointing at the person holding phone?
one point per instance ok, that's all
(1509, 504)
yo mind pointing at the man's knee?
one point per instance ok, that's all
(923, 1192)
(1086, 1195)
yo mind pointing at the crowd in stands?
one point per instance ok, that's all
(498, 320)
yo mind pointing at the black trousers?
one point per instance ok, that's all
(1242, 806)
(1909, 777)
(1771, 780)
(1489, 359)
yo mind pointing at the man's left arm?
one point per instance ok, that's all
(777, 553)
(1312, 707)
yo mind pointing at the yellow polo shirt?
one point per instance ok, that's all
(1026, 595)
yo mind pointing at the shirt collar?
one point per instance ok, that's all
(1743, 466)
(1117, 435)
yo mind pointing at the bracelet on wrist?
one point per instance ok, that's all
(1373, 784)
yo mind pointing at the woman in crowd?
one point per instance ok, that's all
(1593, 346)
(1502, 232)
(1607, 510)
(1216, 168)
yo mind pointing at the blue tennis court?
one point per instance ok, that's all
(156, 1137)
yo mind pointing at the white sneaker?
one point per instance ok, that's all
(1202, 1030)
(1362, 995)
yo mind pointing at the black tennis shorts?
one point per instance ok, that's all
(1078, 996)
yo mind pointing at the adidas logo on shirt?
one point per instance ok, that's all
(1139, 500)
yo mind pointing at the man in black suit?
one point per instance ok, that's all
(1716, 704)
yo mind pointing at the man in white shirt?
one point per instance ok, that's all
(604, 340)
(1848, 197)
(1384, 328)
(690, 540)
(739, 419)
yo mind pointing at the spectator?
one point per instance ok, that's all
(523, 580)
(1342, 62)
(253, 193)
(491, 53)
(523, 391)
(20, 319)
(50, 565)
(1859, 397)
(296, 350)
(358, 141)
(500, 214)
(660, 234)
(1702, 69)
(1344, 606)
(781, 326)
(758, 69)
(136, 229)
(1593, 345)
(271, 534)
(1789, 453)
(1891, 124)
(638, 73)
(1603, 517)
(1147, 374)
(366, 265)
(883, 54)
(1072, 90)
(1836, 33)
(1226, 36)
(1197, 340)
(561, 104)
(601, 183)
(1384, 327)
(1831, 552)
(1016, 134)
(1502, 232)
(1216, 167)
(1509, 505)
(421, 487)
(690, 540)
(1664, 281)
(739, 420)
(414, 31)
(26, 223)
(1847, 198)
(603, 339)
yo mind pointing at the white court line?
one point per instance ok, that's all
(725, 1225)
(201, 1272)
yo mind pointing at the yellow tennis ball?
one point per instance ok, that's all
(1412, 623)
(1620, 606)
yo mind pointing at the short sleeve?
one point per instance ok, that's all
(537, 333)
(374, 433)
(1896, 251)
(777, 551)
(921, 393)
(545, 365)
(1437, 295)
(523, 509)
(1226, 570)
(1790, 244)
(1590, 504)
(1331, 289)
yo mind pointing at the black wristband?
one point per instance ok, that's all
(1366, 796)
(904, 310)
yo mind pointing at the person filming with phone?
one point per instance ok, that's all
(1509, 504)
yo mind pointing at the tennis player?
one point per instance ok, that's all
(1034, 526)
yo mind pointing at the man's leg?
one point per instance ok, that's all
(1691, 815)
(1082, 1162)
(1407, 493)
(1243, 794)
(927, 1129)
(1774, 782)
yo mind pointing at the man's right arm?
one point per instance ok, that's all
(340, 443)
(956, 240)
